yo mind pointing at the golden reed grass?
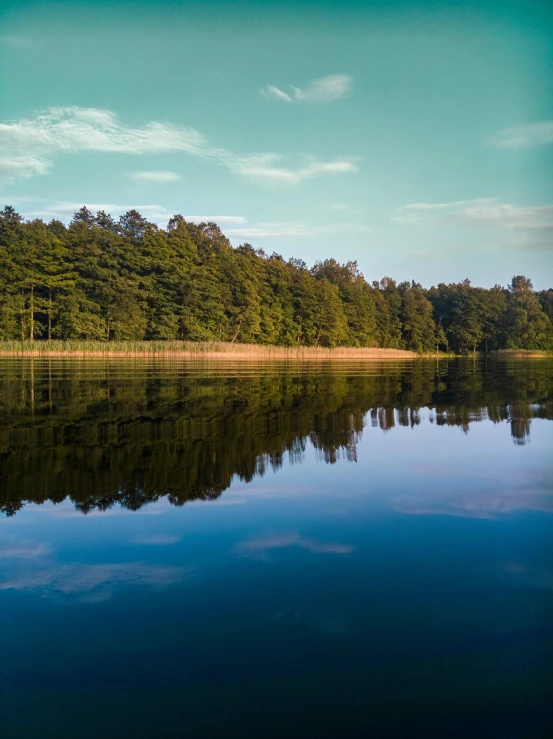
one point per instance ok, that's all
(193, 350)
(522, 354)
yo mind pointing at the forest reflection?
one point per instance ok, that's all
(111, 432)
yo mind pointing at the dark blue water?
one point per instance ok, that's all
(241, 551)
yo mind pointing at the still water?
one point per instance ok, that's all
(320, 550)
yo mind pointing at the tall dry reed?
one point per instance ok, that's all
(191, 349)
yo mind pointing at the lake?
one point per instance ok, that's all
(310, 550)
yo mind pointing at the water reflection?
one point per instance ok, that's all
(105, 432)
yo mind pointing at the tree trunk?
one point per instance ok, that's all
(237, 331)
(22, 318)
(50, 316)
(32, 331)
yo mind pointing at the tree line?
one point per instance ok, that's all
(128, 279)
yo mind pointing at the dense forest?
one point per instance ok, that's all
(131, 280)
(111, 436)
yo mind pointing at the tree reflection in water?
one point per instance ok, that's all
(102, 432)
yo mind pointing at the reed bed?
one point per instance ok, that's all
(193, 350)
(522, 354)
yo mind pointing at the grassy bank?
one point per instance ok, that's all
(193, 350)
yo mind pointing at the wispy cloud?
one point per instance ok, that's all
(324, 90)
(524, 137)
(271, 91)
(418, 211)
(272, 231)
(28, 146)
(156, 176)
(64, 210)
(21, 167)
(534, 221)
(215, 219)
(503, 215)
(265, 169)
(278, 230)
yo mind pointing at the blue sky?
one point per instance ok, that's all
(416, 139)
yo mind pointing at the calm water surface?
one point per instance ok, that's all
(218, 550)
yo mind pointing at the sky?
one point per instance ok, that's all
(414, 138)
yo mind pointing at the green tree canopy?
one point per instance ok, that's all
(99, 278)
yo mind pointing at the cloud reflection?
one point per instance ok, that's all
(23, 549)
(522, 575)
(102, 579)
(157, 540)
(262, 545)
(508, 493)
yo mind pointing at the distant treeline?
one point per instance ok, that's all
(103, 279)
